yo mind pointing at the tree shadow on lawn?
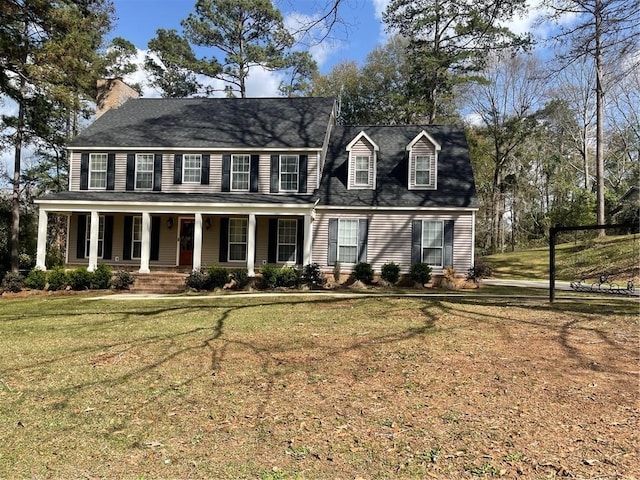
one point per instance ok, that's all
(564, 321)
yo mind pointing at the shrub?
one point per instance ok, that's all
(25, 261)
(390, 272)
(37, 279)
(12, 282)
(363, 271)
(218, 277)
(57, 278)
(122, 280)
(312, 275)
(420, 273)
(54, 257)
(288, 277)
(336, 271)
(197, 280)
(479, 271)
(80, 278)
(241, 277)
(101, 277)
(269, 276)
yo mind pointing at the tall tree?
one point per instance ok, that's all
(449, 41)
(605, 31)
(173, 67)
(249, 33)
(302, 68)
(48, 49)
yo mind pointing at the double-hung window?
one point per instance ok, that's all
(289, 173)
(362, 164)
(98, 170)
(144, 171)
(191, 168)
(432, 242)
(100, 236)
(423, 170)
(136, 237)
(240, 172)
(237, 239)
(348, 241)
(287, 237)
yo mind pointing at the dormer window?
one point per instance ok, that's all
(362, 162)
(423, 162)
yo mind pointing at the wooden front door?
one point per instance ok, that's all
(186, 241)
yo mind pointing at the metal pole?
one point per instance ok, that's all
(552, 264)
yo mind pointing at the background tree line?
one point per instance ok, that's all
(554, 140)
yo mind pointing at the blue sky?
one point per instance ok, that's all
(361, 31)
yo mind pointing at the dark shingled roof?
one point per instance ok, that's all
(211, 123)
(456, 187)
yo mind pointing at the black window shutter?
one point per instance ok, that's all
(111, 171)
(333, 241)
(84, 172)
(224, 240)
(155, 239)
(302, 174)
(81, 237)
(255, 164)
(275, 173)
(131, 171)
(363, 233)
(272, 252)
(300, 242)
(128, 234)
(177, 169)
(204, 171)
(416, 241)
(108, 237)
(226, 173)
(447, 260)
(157, 172)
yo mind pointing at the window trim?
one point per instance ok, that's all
(184, 168)
(87, 236)
(91, 171)
(233, 220)
(422, 243)
(356, 170)
(134, 220)
(233, 172)
(297, 173)
(295, 241)
(357, 242)
(136, 171)
(428, 159)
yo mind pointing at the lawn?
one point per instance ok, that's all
(316, 387)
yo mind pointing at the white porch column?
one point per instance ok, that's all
(41, 252)
(145, 250)
(93, 241)
(251, 246)
(197, 242)
(308, 240)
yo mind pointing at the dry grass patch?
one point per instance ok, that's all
(317, 388)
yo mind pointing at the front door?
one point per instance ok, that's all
(186, 241)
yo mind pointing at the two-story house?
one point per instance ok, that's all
(160, 184)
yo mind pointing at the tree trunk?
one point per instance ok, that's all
(15, 198)
(600, 220)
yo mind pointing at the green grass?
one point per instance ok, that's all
(616, 255)
(312, 387)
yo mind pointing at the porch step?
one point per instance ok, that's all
(159, 282)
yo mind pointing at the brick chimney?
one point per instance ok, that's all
(111, 93)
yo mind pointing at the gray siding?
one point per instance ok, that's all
(215, 173)
(389, 237)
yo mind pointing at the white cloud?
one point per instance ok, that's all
(314, 39)
(379, 7)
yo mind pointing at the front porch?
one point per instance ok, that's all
(157, 237)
